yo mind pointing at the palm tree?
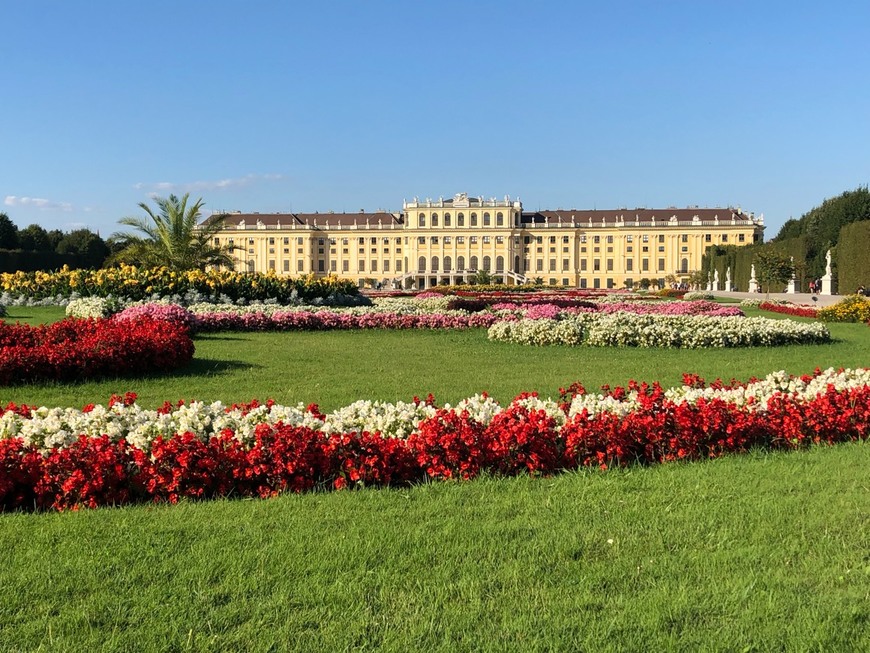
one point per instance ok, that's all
(172, 237)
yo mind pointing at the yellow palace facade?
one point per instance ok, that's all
(447, 241)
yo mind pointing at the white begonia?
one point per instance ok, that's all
(48, 428)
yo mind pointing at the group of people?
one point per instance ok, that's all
(863, 291)
(815, 286)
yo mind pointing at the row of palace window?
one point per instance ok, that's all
(596, 239)
(434, 264)
(333, 266)
(460, 220)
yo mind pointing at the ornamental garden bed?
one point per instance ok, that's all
(57, 459)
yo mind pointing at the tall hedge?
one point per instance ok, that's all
(853, 265)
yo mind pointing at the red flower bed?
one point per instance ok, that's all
(790, 309)
(83, 349)
(97, 471)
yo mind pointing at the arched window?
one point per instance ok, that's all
(434, 264)
(250, 266)
(421, 264)
(486, 219)
(434, 219)
(499, 263)
(460, 219)
(516, 263)
(684, 267)
(446, 219)
(472, 263)
(499, 219)
(486, 263)
(473, 219)
(460, 263)
(447, 263)
(421, 220)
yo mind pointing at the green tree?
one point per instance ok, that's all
(772, 268)
(8, 233)
(172, 237)
(35, 239)
(88, 246)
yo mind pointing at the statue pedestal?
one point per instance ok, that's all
(790, 288)
(826, 285)
(753, 285)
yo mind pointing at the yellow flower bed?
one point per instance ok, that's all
(853, 308)
(139, 283)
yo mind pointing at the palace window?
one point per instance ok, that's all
(566, 239)
(473, 240)
(596, 239)
(434, 240)
(610, 240)
(661, 238)
(460, 263)
(473, 221)
(434, 219)
(374, 266)
(552, 265)
(286, 265)
(473, 262)
(447, 240)
(486, 239)
(446, 219)
(460, 219)
(499, 263)
(661, 265)
(421, 240)
(421, 220)
(486, 263)
(499, 219)
(460, 239)
(499, 239)
(362, 266)
(448, 264)
(486, 219)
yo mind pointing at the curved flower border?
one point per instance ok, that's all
(62, 458)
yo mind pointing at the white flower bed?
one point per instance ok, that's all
(92, 307)
(58, 427)
(694, 295)
(684, 331)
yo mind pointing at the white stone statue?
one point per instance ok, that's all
(753, 282)
(828, 263)
(716, 279)
(728, 279)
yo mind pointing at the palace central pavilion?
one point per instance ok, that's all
(446, 241)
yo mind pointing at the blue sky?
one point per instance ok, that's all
(303, 106)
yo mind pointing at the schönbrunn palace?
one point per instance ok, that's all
(447, 240)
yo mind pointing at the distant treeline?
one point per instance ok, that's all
(35, 248)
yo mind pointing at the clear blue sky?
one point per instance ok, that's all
(318, 106)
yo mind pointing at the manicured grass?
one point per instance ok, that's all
(338, 367)
(757, 553)
(753, 553)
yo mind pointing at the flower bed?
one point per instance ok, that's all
(62, 458)
(321, 320)
(854, 308)
(789, 309)
(623, 329)
(141, 283)
(84, 349)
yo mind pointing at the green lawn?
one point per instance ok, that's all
(765, 552)
(336, 368)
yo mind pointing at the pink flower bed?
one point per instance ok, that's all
(328, 320)
(699, 307)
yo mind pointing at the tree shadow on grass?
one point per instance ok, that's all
(200, 367)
